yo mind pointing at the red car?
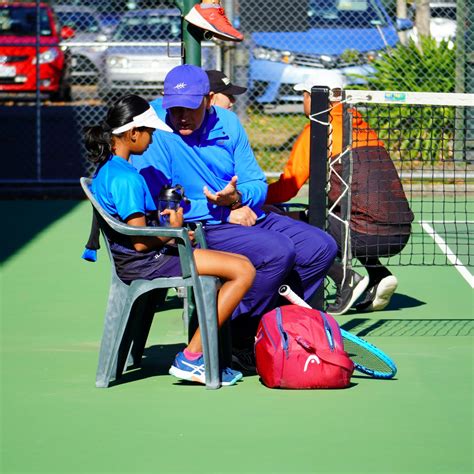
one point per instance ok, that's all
(19, 57)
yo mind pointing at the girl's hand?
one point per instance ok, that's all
(175, 216)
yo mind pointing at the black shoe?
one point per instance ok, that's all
(244, 360)
(378, 296)
(346, 296)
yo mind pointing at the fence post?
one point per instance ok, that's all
(192, 36)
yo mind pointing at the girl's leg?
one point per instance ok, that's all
(237, 273)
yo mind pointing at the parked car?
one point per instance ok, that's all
(442, 21)
(86, 60)
(19, 58)
(142, 68)
(341, 40)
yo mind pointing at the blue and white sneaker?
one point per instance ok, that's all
(193, 371)
(230, 376)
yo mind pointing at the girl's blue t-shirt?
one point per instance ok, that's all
(121, 190)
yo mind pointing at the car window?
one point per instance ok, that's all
(448, 12)
(345, 14)
(21, 21)
(83, 22)
(148, 28)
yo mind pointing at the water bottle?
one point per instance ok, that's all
(170, 198)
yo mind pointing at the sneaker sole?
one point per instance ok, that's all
(196, 19)
(356, 293)
(233, 381)
(185, 375)
(385, 290)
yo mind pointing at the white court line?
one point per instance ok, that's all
(449, 253)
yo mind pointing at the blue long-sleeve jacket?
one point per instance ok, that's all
(210, 157)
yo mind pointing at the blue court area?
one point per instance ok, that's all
(54, 420)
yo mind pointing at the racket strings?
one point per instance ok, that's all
(365, 358)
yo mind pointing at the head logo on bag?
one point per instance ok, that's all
(309, 360)
(299, 347)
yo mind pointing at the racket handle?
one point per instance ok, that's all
(292, 297)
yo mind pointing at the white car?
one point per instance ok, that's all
(442, 22)
(150, 46)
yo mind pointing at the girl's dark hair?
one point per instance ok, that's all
(98, 139)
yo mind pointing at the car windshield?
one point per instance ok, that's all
(148, 28)
(83, 22)
(345, 14)
(21, 21)
(446, 12)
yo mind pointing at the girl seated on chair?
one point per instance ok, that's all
(123, 193)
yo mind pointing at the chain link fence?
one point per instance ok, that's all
(82, 54)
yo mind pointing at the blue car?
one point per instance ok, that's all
(341, 40)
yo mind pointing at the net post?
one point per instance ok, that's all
(318, 166)
(347, 169)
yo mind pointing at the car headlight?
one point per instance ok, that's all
(328, 61)
(47, 56)
(118, 62)
(371, 56)
(275, 55)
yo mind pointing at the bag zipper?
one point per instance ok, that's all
(283, 334)
(328, 330)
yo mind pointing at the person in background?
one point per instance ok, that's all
(222, 91)
(210, 155)
(210, 16)
(380, 214)
(123, 193)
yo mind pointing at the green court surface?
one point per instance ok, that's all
(54, 420)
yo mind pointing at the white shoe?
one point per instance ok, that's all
(383, 292)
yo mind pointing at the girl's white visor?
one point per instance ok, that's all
(146, 119)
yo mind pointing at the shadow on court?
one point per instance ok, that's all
(156, 361)
(410, 327)
(24, 223)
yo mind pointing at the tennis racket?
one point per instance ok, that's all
(367, 358)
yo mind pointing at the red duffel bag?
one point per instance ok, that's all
(299, 348)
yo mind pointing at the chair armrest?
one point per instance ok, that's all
(199, 236)
(180, 234)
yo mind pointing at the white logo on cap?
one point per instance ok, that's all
(180, 85)
(226, 81)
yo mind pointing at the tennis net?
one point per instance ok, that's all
(397, 145)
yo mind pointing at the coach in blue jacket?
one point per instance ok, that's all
(209, 154)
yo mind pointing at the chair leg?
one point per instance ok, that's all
(117, 315)
(207, 317)
(142, 328)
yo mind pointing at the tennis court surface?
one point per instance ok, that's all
(54, 420)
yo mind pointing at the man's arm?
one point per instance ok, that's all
(251, 183)
(296, 171)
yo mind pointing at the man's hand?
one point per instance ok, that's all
(243, 216)
(227, 196)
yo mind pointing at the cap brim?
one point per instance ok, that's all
(302, 87)
(178, 100)
(157, 124)
(234, 90)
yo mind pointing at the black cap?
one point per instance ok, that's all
(220, 83)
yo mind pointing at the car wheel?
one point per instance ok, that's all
(64, 93)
